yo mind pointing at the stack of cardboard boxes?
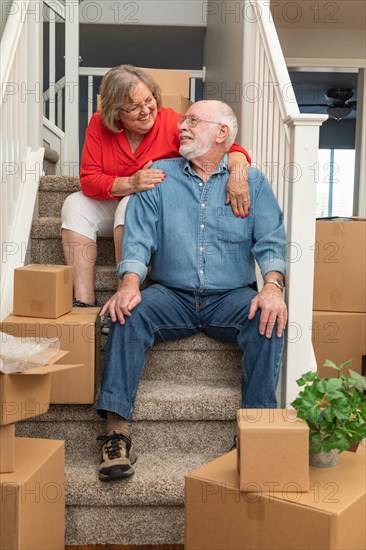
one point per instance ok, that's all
(265, 496)
(43, 309)
(32, 500)
(339, 317)
(32, 497)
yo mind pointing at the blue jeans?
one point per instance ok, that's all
(166, 314)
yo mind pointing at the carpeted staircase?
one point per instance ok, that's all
(184, 417)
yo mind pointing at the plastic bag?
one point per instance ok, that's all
(21, 354)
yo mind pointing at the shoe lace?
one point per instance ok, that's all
(235, 444)
(112, 444)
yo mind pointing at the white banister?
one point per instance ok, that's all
(52, 71)
(54, 97)
(284, 145)
(71, 148)
(20, 136)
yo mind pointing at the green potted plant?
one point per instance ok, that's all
(335, 411)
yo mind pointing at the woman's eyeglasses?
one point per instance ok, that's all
(193, 120)
(136, 109)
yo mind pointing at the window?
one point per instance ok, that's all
(334, 175)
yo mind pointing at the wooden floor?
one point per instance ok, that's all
(129, 547)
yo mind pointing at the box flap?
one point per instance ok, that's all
(42, 370)
(47, 369)
(342, 219)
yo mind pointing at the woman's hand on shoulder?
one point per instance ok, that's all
(146, 178)
(142, 180)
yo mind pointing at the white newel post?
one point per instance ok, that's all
(71, 152)
(301, 178)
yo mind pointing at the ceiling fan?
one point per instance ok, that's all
(340, 105)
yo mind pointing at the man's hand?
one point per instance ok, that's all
(237, 190)
(273, 309)
(124, 300)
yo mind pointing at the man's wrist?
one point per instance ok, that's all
(131, 279)
(276, 279)
(276, 283)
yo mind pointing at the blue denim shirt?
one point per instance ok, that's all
(194, 240)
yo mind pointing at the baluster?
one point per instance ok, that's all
(90, 96)
(52, 70)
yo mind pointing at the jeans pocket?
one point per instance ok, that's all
(233, 229)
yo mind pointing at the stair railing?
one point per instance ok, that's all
(284, 145)
(20, 135)
(61, 99)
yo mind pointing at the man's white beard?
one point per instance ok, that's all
(190, 150)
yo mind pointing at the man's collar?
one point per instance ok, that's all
(222, 166)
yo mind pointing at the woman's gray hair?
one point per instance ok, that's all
(116, 88)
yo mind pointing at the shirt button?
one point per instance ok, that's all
(202, 226)
(203, 204)
(201, 271)
(200, 184)
(201, 248)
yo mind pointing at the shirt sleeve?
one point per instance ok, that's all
(269, 234)
(235, 148)
(140, 233)
(94, 183)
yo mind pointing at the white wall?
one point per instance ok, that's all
(5, 10)
(223, 59)
(323, 44)
(144, 12)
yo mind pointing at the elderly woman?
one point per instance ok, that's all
(131, 131)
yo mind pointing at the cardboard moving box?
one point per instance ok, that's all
(338, 336)
(7, 448)
(27, 394)
(171, 81)
(331, 516)
(79, 335)
(42, 290)
(32, 499)
(174, 86)
(340, 265)
(272, 450)
(179, 103)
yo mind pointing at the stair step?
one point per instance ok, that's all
(128, 525)
(53, 191)
(182, 436)
(167, 415)
(47, 246)
(154, 483)
(68, 184)
(144, 509)
(161, 400)
(197, 342)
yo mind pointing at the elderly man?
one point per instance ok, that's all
(203, 268)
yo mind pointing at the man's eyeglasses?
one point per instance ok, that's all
(136, 109)
(193, 120)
